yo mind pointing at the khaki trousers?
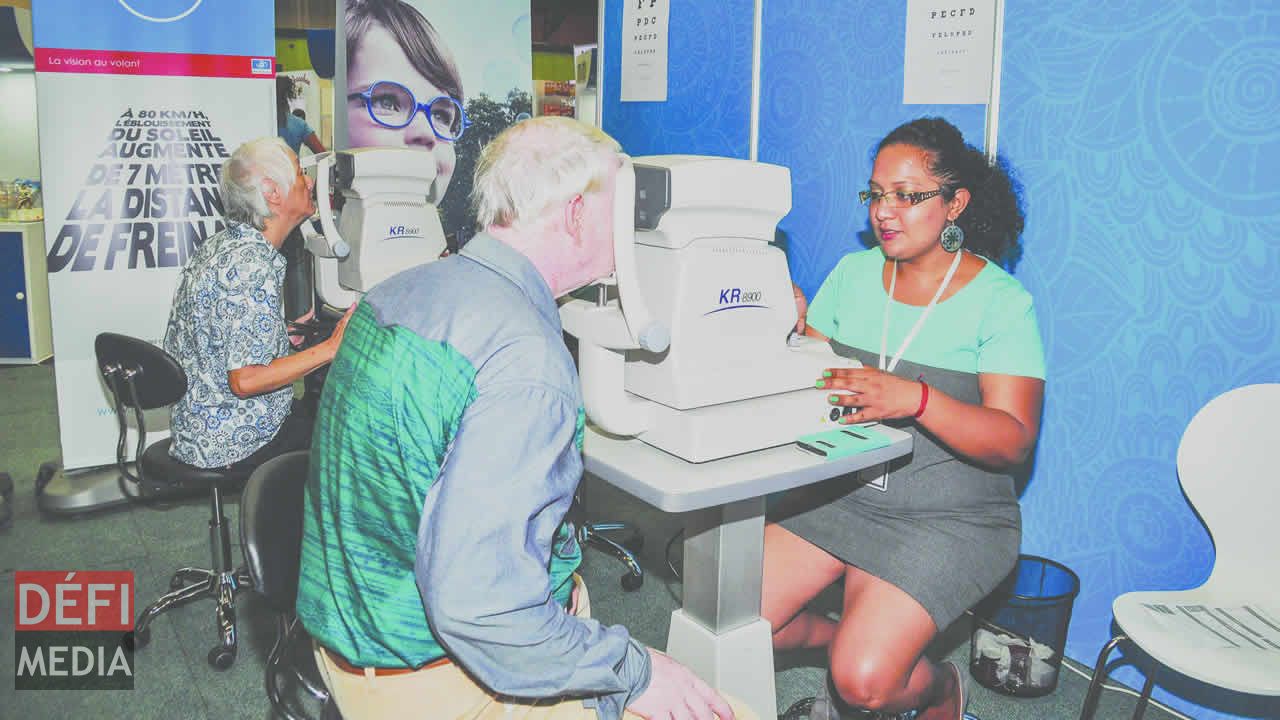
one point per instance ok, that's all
(446, 692)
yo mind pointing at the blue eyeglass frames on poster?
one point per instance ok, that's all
(392, 105)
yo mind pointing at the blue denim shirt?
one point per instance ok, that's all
(227, 315)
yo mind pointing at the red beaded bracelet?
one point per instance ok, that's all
(924, 398)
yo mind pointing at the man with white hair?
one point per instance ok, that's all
(438, 568)
(227, 326)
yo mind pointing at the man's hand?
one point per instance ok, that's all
(802, 308)
(573, 598)
(300, 337)
(675, 692)
(331, 344)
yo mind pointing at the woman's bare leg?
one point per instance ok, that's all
(877, 656)
(795, 571)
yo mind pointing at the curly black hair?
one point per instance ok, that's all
(993, 220)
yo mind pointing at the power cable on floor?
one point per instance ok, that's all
(666, 554)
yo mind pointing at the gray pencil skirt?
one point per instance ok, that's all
(946, 534)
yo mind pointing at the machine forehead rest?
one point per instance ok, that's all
(383, 162)
(731, 190)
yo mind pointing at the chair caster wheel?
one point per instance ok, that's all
(133, 641)
(632, 582)
(222, 657)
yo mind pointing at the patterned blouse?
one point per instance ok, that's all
(227, 315)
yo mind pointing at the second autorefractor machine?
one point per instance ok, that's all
(388, 221)
(690, 354)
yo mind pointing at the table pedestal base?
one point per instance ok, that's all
(739, 663)
(718, 632)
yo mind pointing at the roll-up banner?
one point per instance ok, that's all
(140, 102)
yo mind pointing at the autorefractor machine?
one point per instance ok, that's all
(686, 347)
(388, 221)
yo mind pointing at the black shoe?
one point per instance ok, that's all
(821, 707)
(812, 708)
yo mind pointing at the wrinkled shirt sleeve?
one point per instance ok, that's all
(483, 554)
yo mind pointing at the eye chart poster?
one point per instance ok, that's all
(949, 52)
(644, 50)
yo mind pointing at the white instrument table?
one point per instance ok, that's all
(718, 633)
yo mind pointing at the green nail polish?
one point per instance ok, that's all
(826, 373)
(819, 384)
(833, 399)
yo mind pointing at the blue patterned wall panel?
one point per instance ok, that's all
(1146, 134)
(708, 83)
(831, 88)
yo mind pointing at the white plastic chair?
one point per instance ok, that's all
(1227, 631)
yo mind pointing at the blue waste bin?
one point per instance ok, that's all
(1020, 630)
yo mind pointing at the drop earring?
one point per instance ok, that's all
(952, 237)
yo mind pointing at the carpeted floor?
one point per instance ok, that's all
(173, 679)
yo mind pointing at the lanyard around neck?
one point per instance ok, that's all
(915, 329)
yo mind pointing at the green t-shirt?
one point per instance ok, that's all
(989, 326)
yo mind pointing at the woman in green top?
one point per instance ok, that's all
(951, 353)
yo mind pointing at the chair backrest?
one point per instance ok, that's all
(271, 511)
(158, 378)
(1228, 463)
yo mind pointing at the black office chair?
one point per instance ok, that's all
(271, 508)
(141, 377)
(592, 534)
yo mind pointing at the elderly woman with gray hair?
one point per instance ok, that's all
(227, 325)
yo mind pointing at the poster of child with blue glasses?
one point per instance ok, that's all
(441, 76)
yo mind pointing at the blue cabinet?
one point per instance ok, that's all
(25, 333)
